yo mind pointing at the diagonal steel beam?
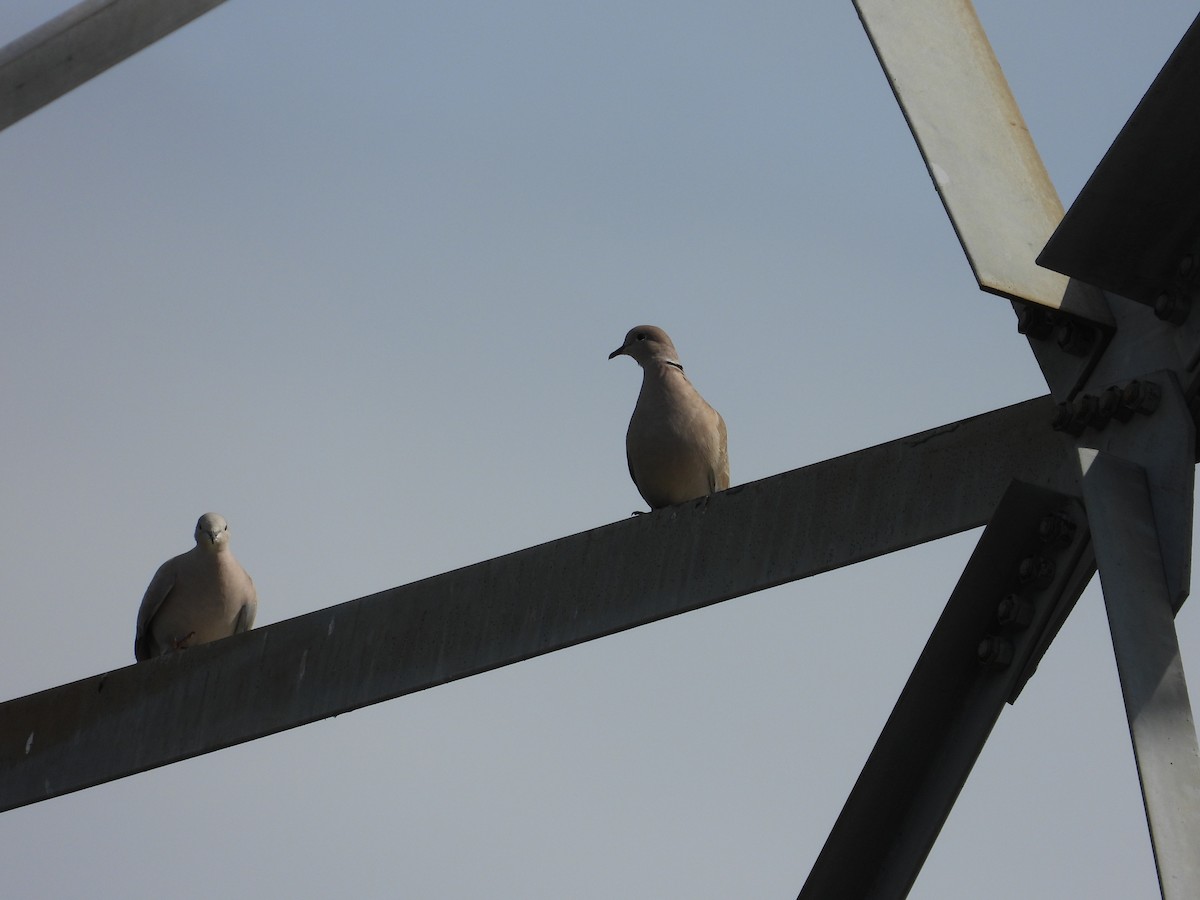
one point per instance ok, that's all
(976, 147)
(78, 45)
(1141, 618)
(514, 607)
(1030, 556)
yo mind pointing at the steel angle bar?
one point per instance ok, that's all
(980, 156)
(976, 656)
(534, 601)
(78, 45)
(1141, 619)
(1136, 220)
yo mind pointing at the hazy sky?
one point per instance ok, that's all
(348, 274)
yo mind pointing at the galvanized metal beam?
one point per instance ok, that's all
(1141, 619)
(78, 45)
(1030, 557)
(980, 156)
(545, 598)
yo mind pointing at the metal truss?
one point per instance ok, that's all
(1100, 474)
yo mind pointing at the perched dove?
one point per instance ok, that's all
(196, 597)
(676, 444)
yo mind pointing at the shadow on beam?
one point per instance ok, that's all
(527, 603)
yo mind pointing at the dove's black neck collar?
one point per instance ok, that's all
(674, 363)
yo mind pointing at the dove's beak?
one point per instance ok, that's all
(620, 351)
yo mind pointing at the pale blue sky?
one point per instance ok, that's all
(348, 274)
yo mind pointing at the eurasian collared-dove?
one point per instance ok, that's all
(676, 444)
(196, 597)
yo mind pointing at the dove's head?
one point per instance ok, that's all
(645, 344)
(212, 532)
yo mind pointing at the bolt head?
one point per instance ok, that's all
(1109, 401)
(1075, 337)
(995, 652)
(1122, 411)
(1172, 306)
(1035, 321)
(1064, 419)
(1015, 612)
(1035, 572)
(1097, 416)
(1056, 529)
(1084, 414)
(1141, 397)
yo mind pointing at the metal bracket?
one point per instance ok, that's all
(1160, 437)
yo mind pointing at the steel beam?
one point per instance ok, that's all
(514, 607)
(980, 156)
(78, 45)
(1141, 619)
(975, 659)
(1136, 220)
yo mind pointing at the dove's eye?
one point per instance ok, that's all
(641, 335)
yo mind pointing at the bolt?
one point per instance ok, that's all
(1064, 419)
(1141, 397)
(1172, 306)
(995, 652)
(1099, 413)
(1074, 337)
(1056, 530)
(1085, 412)
(1035, 321)
(1014, 611)
(1035, 572)
(1115, 397)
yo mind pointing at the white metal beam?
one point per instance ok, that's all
(78, 45)
(976, 147)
